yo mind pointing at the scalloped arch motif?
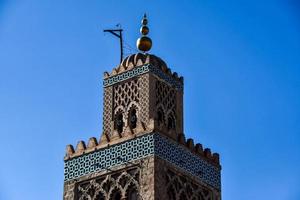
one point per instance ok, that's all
(181, 188)
(126, 93)
(165, 96)
(166, 100)
(104, 187)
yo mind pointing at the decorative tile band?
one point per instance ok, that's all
(165, 77)
(141, 147)
(126, 75)
(112, 156)
(186, 160)
(139, 71)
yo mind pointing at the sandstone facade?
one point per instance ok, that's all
(142, 152)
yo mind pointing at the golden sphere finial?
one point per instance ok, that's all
(144, 43)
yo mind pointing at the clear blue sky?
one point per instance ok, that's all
(240, 60)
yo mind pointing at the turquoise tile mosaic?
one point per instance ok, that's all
(126, 75)
(105, 158)
(141, 147)
(139, 71)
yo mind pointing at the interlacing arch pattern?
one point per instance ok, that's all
(161, 116)
(126, 93)
(144, 98)
(166, 101)
(132, 116)
(171, 120)
(119, 120)
(126, 100)
(107, 110)
(120, 185)
(181, 188)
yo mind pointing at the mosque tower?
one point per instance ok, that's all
(143, 153)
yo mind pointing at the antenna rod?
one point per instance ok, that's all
(118, 34)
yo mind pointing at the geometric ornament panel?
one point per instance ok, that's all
(186, 160)
(139, 70)
(126, 75)
(106, 158)
(141, 147)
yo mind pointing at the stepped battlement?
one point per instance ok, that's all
(93, 145)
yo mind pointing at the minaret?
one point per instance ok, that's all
(142, 153)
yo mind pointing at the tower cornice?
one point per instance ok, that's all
(182, 154)
(138, 60)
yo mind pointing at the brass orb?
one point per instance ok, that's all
(144, 30)
(145, 21)
(144, 43)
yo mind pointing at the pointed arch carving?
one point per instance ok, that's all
(133, 115)
(166, 100)
(126, 92)
(181, 188)
(115, 194)
(107, 186)
(132, 192)
(126, 99)
(161, 116)
(171, 120)
(119, 120)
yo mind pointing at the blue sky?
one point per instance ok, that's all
(240, 60)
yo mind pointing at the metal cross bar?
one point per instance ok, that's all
(118, 34)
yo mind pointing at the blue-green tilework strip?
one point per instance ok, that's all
(165, 77)
(186, 160)
(141, 147)
(126, 75)
(107, 158)
(139, 71)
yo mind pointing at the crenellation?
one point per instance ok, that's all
(114, 71)
(140, 59)
(181, 79)
(216, 158)
(207, 153)
(148, 145)
(121, 69)
(69, 150)
(175, 75)
(105, 75)
(168, 72)
(80, 148)
(92, 144)
(190, 144)
(199, 149)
